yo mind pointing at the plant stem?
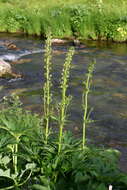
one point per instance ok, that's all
(65, 100)
(14, 148)
(47, 86)
(15, 157)
(85, 100)
(85, 110)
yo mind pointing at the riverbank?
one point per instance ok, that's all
(98, 20)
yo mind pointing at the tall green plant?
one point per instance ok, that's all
(15, 124)
(65, 99)
(47, 86)
(87, 85)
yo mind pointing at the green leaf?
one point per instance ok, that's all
(40, 187)
(30, 166)
(44, 181)
(5, 160)
(54, 118)
(123, 179)
(13, 176)
(101, 187)
(5, 173)
(79, 177)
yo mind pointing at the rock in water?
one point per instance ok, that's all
(59, 41)
(5, 68)
(11, 46)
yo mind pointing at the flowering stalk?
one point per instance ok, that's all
(65, 99)
(85, 100)
(47, 86)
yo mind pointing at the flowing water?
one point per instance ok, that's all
(108, 96)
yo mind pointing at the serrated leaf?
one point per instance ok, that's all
(5, 160)
(30, 166)
(5, 173)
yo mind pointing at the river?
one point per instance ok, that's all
(108, 96)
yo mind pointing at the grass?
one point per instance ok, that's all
(83, 19)
(32, 158)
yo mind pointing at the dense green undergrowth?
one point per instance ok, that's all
(83, 19)
(34, 156)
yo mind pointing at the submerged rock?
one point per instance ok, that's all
(11, 46)
(59, 41)
(6, 70)
(21, 61)
(74, 42)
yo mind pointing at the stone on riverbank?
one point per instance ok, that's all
(5, 68)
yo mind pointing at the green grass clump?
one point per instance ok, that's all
(83, 19)
(33, 158)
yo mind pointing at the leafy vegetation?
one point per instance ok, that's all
(32, 156)
(83, 19)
